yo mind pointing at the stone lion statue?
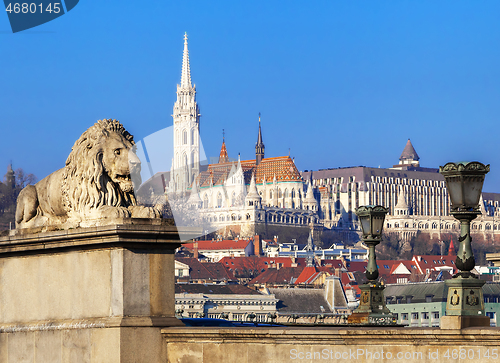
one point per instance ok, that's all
(94, 188)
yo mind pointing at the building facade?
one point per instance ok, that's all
(417, 198)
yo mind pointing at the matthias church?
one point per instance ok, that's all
(268, 196)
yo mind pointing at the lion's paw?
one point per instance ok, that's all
(107, 211)
(144, 212)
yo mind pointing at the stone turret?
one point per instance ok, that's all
(310, 202)
(409, 155)
(253, 199)
(259, 147)
(401, 209)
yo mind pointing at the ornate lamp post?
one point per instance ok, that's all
(465, 304)
(372, 309)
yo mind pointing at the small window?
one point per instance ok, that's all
(414, 316)
(428, 298)
(404, 316)
(386, 266)
(408, 299)
(425, 315)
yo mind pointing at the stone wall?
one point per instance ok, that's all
(97, 294)
(330, 344)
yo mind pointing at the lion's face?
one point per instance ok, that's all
(120, 161)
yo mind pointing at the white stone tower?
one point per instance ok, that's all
(186, 160)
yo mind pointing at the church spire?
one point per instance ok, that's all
(310, 250)
(259, 147)
(223, 158)
(186, 72)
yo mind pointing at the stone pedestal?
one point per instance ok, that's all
(96, 294)
(465, 304)
(372, 309)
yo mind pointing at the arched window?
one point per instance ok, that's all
(205, 201)
(293, 193)
(233, 199)
(279, 193)
(184, 137)
(286, 193)
(270, 194)
(192, 136)
(219, 200)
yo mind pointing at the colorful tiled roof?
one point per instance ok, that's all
(283, 168)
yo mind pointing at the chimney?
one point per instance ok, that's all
(337, 272)
(257, 245)
(195, 252)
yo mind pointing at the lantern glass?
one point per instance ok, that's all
(455, 190)
(365, 224)
(377, 225)
(473, 185)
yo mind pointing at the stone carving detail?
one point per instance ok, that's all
(455, 299)
(471, 299)
(95, 187)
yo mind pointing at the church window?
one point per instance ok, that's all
(192, 136)
(233, 199)
(248, 217)
(293, 193)
(219, 200)
(286, 193)
(184, 137)
(271, 194)
(279, 193)
(205, 201)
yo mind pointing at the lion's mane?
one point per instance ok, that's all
(86, 184)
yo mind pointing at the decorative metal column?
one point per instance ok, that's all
(465, 302)
(372, 309)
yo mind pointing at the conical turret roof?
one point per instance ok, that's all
(223, 158)
(409, 152)
(252, 190)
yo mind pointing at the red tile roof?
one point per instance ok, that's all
(273, 276)
(307, 276)
(206, 270)
(430, 262)
(229, 289)
(219, 245)
(259, 262)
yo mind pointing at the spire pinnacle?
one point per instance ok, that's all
(259, 147)
(186, 72)
(223, 157)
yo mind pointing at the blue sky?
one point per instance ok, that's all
(339, 83)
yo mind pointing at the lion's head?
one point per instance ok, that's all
(101, 167)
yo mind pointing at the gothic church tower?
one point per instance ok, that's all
(186, 160)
